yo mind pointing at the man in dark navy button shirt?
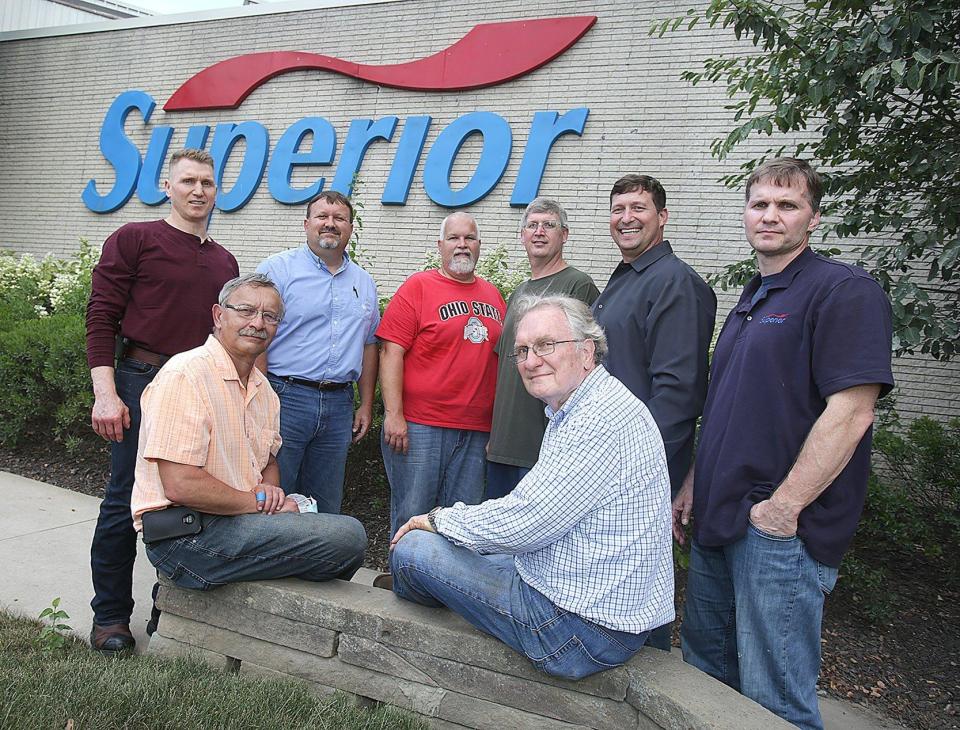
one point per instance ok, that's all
(658, 315)
(781, 469)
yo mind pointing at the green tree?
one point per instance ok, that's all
(878, 85)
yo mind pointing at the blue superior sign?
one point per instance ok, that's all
(141, 174)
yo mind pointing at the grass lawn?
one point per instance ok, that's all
(72, 686)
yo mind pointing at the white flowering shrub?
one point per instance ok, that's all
(44, 286)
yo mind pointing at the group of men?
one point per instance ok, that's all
(533, 448)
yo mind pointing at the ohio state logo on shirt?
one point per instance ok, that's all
(475, 331)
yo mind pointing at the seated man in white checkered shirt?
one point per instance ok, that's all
(573, 568)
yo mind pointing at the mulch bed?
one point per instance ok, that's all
(907, 669)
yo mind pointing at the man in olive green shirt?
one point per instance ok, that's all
(518, 417)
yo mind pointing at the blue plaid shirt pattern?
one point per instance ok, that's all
(589, 526)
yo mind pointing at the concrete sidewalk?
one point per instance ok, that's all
(45, 535)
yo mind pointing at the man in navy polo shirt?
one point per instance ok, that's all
(323, 346)
(781, 469)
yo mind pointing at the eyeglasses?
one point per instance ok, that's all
(540, 349)
(248, 312)
(547, 225)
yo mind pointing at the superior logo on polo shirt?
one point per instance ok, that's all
(774, 318)
(488, 55)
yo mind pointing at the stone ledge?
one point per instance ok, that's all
(366, 642)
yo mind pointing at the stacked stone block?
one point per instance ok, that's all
(364, 641)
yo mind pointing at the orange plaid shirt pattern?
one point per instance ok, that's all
(197, 412)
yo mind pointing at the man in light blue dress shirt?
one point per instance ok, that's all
(574, 567)
(323, 346)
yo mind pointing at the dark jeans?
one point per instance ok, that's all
(502, 479)
(316, 427)
(114, 547)
(313, 547)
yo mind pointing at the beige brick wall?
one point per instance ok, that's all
(54, 92)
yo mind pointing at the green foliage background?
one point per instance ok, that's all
(43, 366)
(879, 86)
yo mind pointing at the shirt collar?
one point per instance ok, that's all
(226, 368)
(780, 280)
(207, 238)
(319, 262)
(651, 256)
(588, 384)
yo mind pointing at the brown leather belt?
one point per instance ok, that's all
(146, 356)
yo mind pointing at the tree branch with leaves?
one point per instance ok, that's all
(878, 85)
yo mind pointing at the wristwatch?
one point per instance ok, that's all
(431, 518)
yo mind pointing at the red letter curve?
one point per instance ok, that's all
(489, 54)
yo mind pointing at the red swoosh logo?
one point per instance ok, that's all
(489, 54)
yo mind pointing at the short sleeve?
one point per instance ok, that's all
(175, 423)
(852, 339)
(401, 319)
(586, 291)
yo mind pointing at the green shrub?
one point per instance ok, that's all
(44, 375)
(911, 512)
(32, 289)
(43, 369)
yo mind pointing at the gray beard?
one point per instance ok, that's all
(462, 265)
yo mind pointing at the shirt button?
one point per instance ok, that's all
(749, 317)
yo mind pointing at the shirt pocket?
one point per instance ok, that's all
(262, 443)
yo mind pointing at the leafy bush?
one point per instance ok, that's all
(43, 369)
(30, 289)
(912, 510)
(44, 375)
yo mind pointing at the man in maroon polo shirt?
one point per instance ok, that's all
(154, 289)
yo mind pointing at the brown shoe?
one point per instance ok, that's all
(384, 580)
(112, 640)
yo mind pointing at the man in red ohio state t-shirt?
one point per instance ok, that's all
(438, 373)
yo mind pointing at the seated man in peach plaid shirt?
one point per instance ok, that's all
(207, 495)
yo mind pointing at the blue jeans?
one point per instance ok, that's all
(752, 620)
(316, 427)
(114, 546)
(488, 592)
(502, 478)
(262, 547)
(442, 466)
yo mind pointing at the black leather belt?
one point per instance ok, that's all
(318, 384)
